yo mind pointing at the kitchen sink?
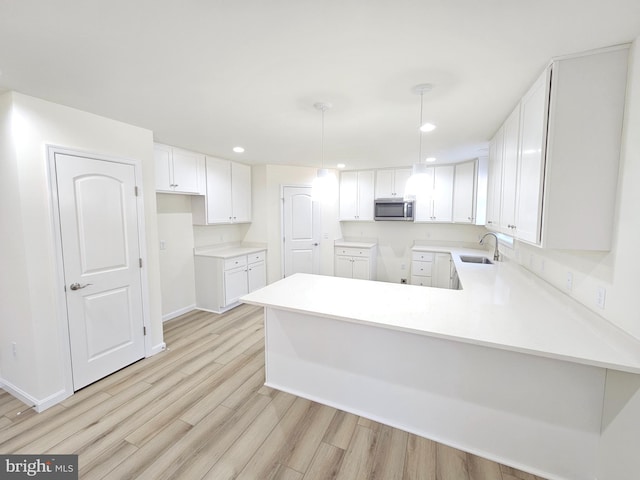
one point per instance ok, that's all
(473, 259)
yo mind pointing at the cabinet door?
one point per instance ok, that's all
(494, 194)
(235, 284)
(384, 183)
(443, 194)
(219, 191)
(348, 195)
(365, 195)
(187, 169)
(463, 192)
(510, 172)
(241, 192)
(256, 276)
(162, 160)
(401, 175)
(441, 277)
(343, 266)
(361, 268)
(424, 198)
(530, 169)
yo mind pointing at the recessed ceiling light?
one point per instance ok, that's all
(427, 127)
(430, 159)
(238, 149)
(340, 165)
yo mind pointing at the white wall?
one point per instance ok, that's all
(616, 270)
(29, 300)
(175, 230)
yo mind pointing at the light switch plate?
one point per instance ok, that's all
(601, 294)
(569, 281)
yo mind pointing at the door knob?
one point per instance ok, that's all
(77, 286)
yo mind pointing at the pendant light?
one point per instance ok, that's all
(417, 182)
(324, 186)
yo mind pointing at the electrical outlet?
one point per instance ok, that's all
(14, 349)
(403, 266)
(163, 245)
(569, 284)
(601, 293)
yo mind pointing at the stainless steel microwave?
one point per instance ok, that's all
(393, 209)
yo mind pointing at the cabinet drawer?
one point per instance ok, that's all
(421, 281)
(234, 262)
(352, 252)
(256, 257)
(422, 269)
(422, 256)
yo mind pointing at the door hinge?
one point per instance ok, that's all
(140, 262)
(135, 189)
(144, 330)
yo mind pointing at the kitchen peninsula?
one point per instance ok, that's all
(508, 367)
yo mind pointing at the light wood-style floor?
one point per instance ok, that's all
(200, 410)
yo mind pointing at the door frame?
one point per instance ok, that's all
(60, 295)
(317, 211)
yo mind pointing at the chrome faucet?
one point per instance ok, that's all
(496, 253)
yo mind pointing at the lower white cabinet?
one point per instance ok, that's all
(433, 269)
(222, 280)
(355, 262)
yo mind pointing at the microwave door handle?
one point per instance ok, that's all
(405, 209)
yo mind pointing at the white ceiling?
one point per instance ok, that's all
(211, 74)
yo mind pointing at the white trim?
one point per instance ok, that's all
(161, 347)
(32, 402)
(61, 303)
(177, 313)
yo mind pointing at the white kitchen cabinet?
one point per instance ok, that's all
(422, 268)
(568, 154)
(178, 171)
(533, 118)
(228, 194)
(355, 261)
(391, 182)
(510, 172)
(221, 279)
(494, 186)
(356, 195)
(435, 202)
(464, 192)
(431, 269)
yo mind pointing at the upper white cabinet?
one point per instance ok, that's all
(568, 152)
(464, 192)
(228, 194)
(356, 195)
(435, 203)
(178, 171)
(510, 172)
(494, 182)
(391, 182)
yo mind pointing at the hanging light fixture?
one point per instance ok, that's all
(417, 182)
(324, 186)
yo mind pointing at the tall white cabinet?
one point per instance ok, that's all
(564, 176)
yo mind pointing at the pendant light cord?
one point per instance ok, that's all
(420, 136)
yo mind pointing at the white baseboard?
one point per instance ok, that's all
(161, 347)
(30, 401)
(178, 312)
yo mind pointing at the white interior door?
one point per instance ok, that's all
(101, 263)
(301, 232)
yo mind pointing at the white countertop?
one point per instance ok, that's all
(500, 306)
(227, 251)
(347, 243)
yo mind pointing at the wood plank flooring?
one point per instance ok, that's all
(200, 411)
